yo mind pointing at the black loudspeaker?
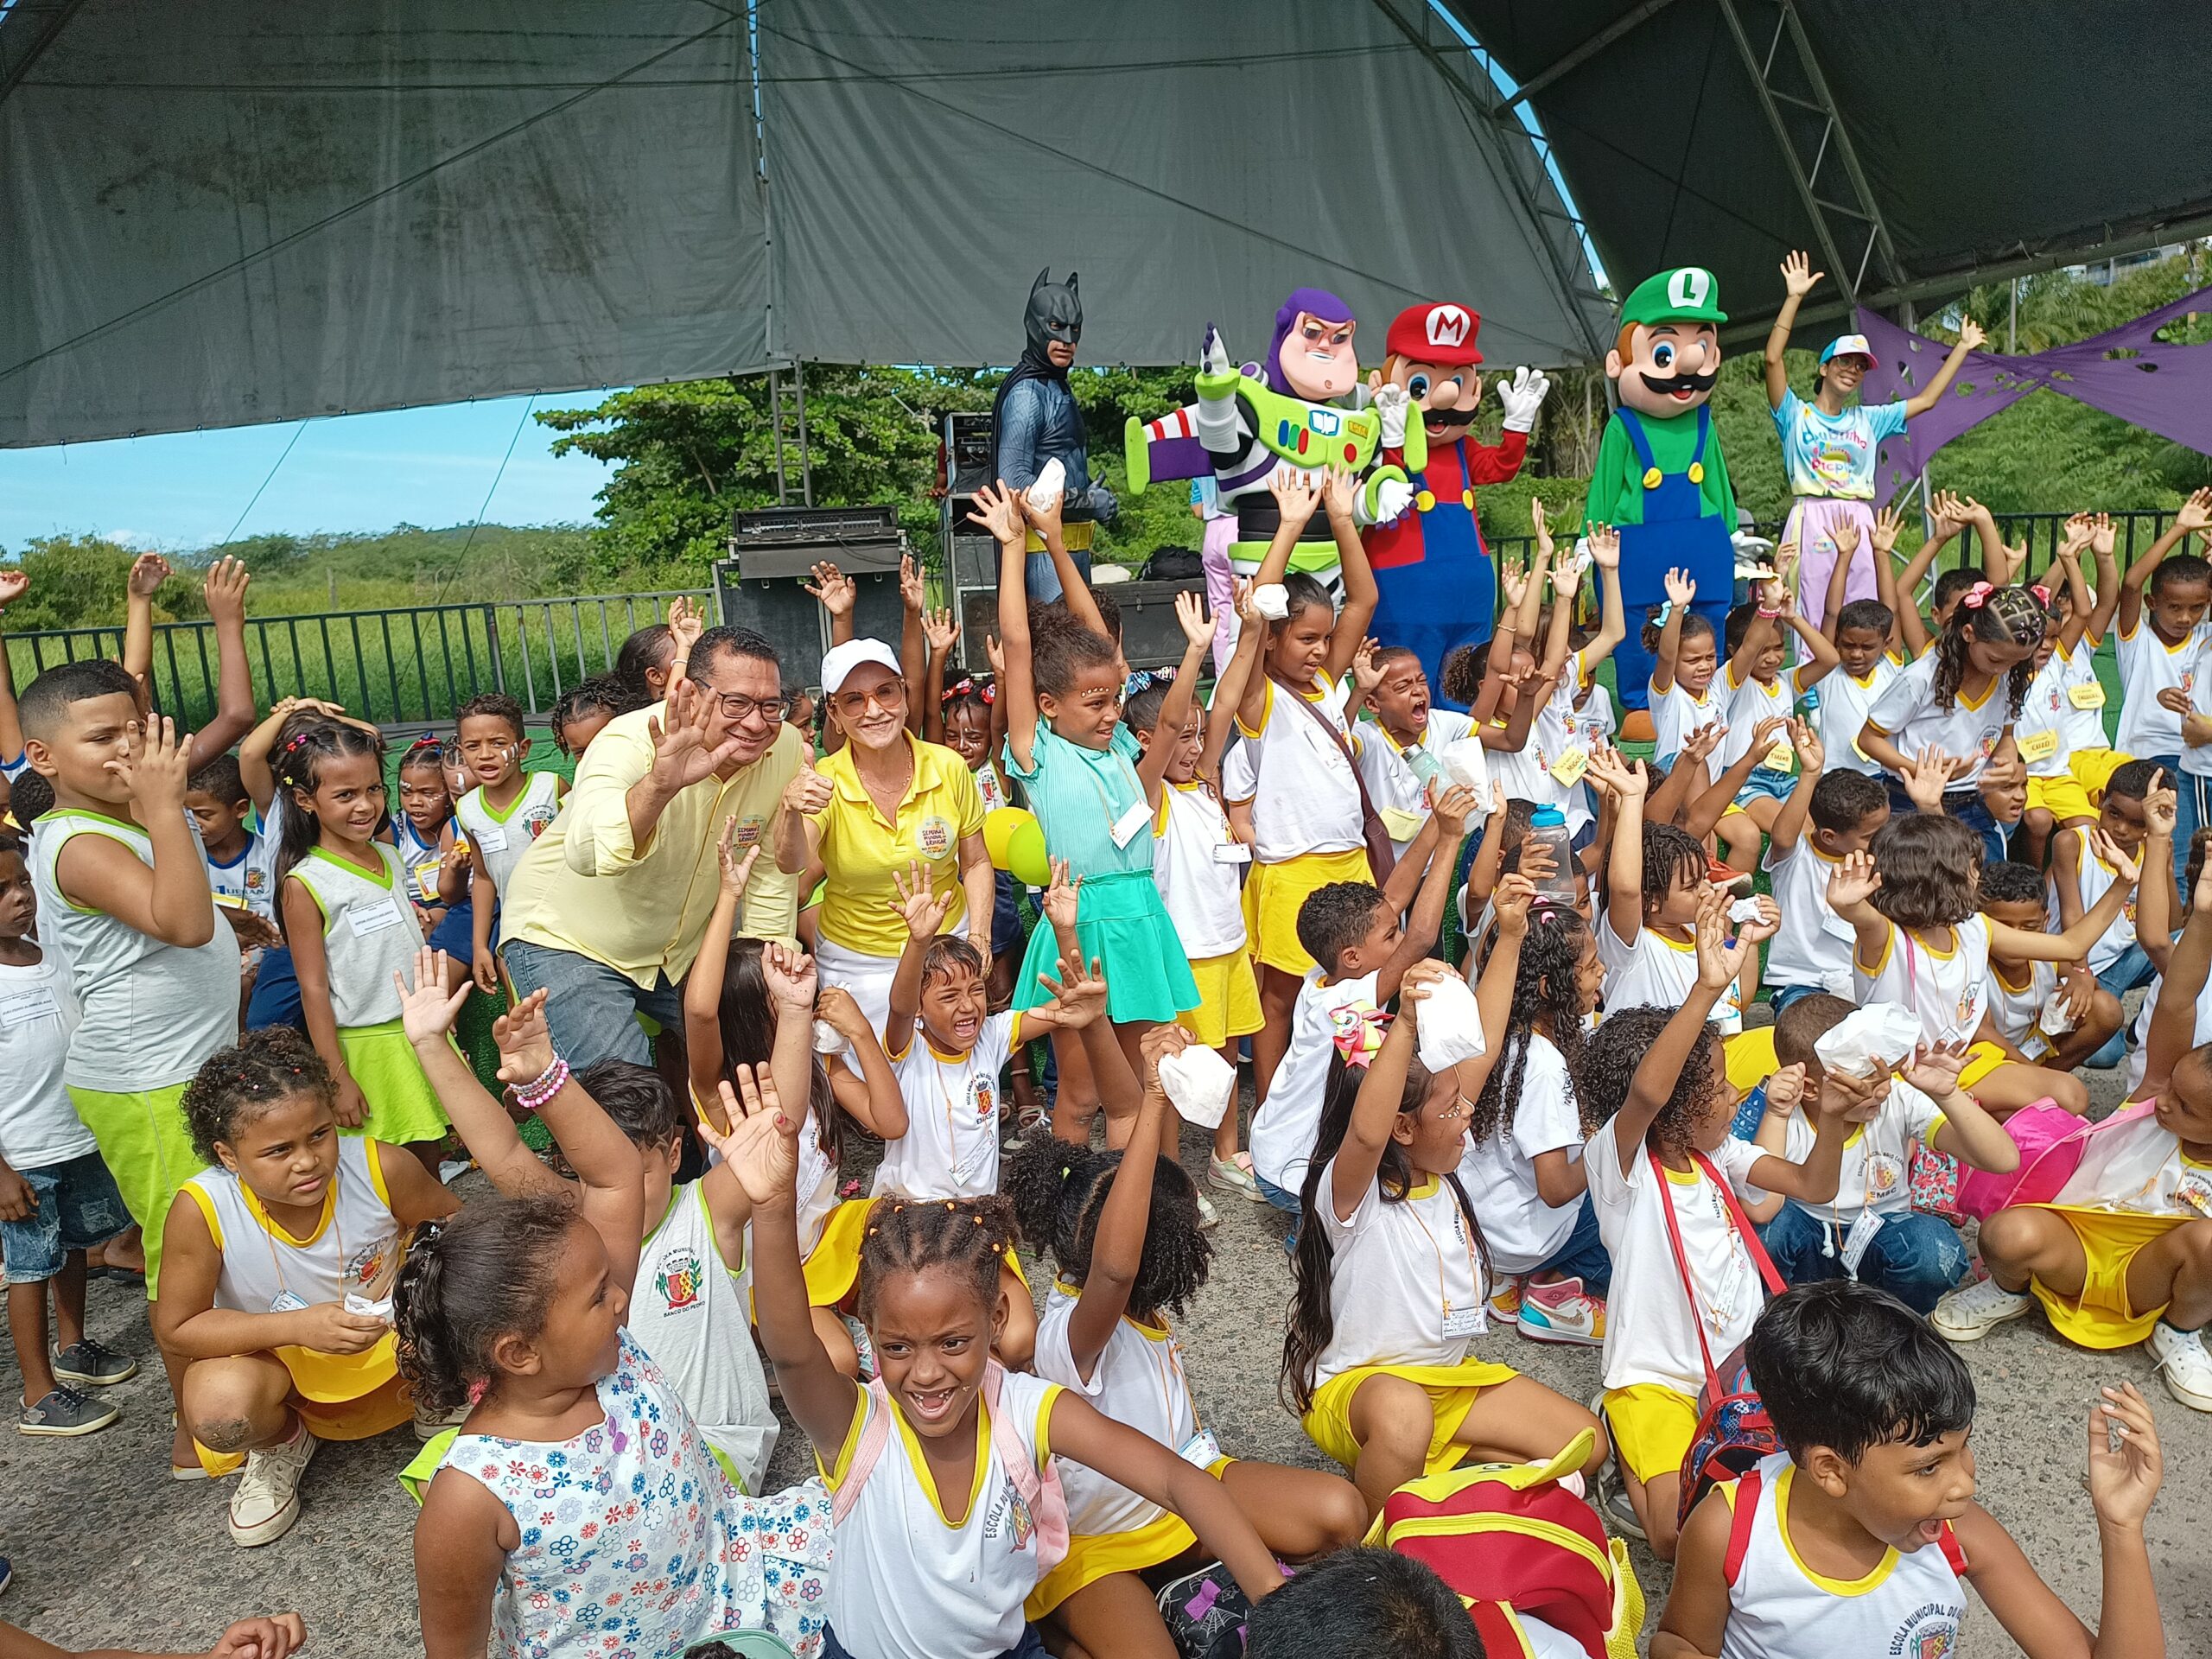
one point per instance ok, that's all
(763, 586)
(1151, 637)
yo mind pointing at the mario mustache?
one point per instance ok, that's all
(1674, 384)
(1439, 419)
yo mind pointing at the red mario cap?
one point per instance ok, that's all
(1438, 332)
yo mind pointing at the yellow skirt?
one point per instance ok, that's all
(318, 1380)
(1452, 1391)
(1273, 894)
(1228, 1000)
(1094, 1556)
(1653, 1426)
(402, 1106)
(2102, 1317)
(835, 1266)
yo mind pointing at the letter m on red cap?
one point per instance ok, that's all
(1448, 326)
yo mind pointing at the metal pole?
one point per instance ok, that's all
(805, 465)
(2012, 318)
(776, 426)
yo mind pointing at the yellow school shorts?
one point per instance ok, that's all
(1093, 1556)
(1982, 1059)
(1274, 893)
(2075, 795)
(2102, 1317)
(1452, 1391)
(1228, 1000)
(323, 1394)
(1653, 1426)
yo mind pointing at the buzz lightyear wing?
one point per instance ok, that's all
(1164, 450)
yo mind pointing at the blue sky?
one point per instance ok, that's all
(184, 490)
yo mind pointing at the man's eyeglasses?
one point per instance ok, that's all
(737, 710)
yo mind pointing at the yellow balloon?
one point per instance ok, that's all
(1026, 860)
(999, 829)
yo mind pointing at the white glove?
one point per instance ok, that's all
(1213, 353)
(1391, 402)
(1392, 497)
(1521, 397)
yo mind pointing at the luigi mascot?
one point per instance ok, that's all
(1660, 479)
(1440, 590)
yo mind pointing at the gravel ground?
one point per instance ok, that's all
(107, 1551)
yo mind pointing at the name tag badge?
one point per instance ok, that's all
(2089, 695)
(492, 838)
(2193, 1191)
(1856, 1241)
(1201, 1451)
(1567, 770)
(24, 1007)
(365, 919)
(1463, 1321)
(1233, 852)
(285, 1302)
(2037, 746)
(1780, 757)
(1126, 827)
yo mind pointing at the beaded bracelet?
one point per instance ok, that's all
(531, 1096)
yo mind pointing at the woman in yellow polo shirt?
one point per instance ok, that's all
(885, 801)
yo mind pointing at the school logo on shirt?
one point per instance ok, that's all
(1932, 1632)
(933, 836)
(986, 1101)
(256, 880)
(365, 1266)
(679, 1279)
(538, 818)
(1010, 1516)
(749, 828)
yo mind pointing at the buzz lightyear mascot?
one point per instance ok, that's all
(1281, 411)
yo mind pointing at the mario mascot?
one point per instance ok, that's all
(1660, 479)
(1439, 590)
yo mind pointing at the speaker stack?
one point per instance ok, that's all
(762, 585)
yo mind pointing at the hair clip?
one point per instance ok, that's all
(1357, 1034)
(1976, 597)
(959, 688)
(2042, 593)
(1659, 616)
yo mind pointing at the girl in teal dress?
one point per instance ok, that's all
(1062, 693)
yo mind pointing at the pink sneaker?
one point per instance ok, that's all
(1561, 1313)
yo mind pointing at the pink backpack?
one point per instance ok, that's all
(2051, 1141)
(1041, 1491)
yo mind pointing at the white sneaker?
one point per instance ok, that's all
(1209, 1217)
(1971, 1312)
(2186, 1365)
(267, 1501)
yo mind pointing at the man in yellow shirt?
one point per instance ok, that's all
(610, 906)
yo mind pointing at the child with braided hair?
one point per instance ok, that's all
(1523, 1169)
(279, 1259)
(343, 898)
(1124, 1230)
(947, 1507)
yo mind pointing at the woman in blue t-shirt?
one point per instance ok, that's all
(1828, 447)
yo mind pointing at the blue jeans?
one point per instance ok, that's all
(1583, 1256)
(1915, 1257)
(1044, 577)
(78, 1207)
(276, 999)
(1967, 807)
(1781, 997)
(591, 1010)
(2132, 968)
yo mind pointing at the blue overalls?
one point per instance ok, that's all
(1447, 596)
(1677, 533)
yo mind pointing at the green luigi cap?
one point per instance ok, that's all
(1686, 294)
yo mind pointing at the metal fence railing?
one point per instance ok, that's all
(403, 667)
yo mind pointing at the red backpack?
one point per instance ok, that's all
(1511, 1538)
(1733, 1431)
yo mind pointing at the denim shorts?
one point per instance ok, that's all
(1006, 916)
(1766, 784)
(78, 1207)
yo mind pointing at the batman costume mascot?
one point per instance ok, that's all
(1037, 421)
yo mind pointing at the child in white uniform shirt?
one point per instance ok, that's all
(1869, 1230)
(1830, 815)
(1860, 1535)
(1399, 767)
(1392, 1269)
(2060, 731)
(1759, 687)
(57, 1200)
(1687, 652)
(1122, 1229)
(1666, 1154)
(2162, 653)
(2021, 993)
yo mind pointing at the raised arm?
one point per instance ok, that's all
(1297, 499)
(834, 591)
(2154, 899)
(1797, 279)
(1447, 823)
(1681, 592)
(1517, 894)
(225, 595)
(2173, 1025)
(1375, 1111)
(1843, 1101)
(14, 584)
(999, 511)
(1198, 636)
(2067, 567)
(1117, 1243)
(1716, 797)
(174, 903)
(2108, 585)
(1627, 781)
(2018, 944)
(1790, 822)
(1612, 616)
(147, 572)
(1718, 963)
(1887, 526)
(1229, 690)
(703, 986)
(913, 649)
(940, 632)
(428, 1009)
(1970, 339)
(1361, 594)
(1075, 590)
(924, 911)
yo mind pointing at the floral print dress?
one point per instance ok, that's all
(634, 1544)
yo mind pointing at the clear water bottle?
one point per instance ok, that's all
(1547, 828)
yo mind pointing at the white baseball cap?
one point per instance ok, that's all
(839, 661)
(1848, 346)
